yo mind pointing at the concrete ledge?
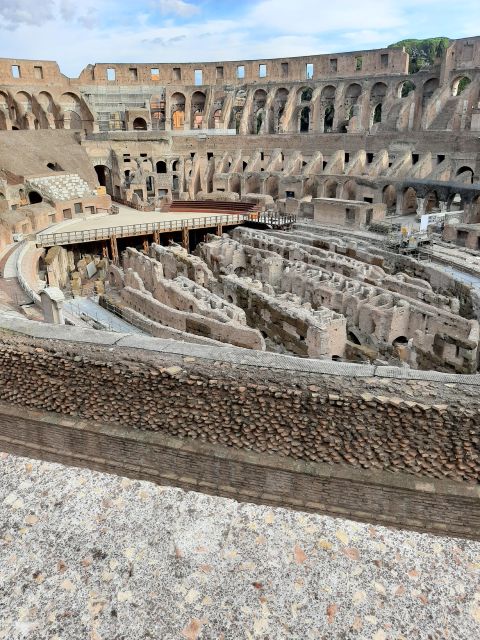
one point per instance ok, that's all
(396, 500)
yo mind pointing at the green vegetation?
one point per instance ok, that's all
(423, 53)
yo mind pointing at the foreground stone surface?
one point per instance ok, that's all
(89, 555)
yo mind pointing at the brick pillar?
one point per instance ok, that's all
(114, 248)
(185, 238)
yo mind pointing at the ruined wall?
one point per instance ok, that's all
(349, 416)
(318, 333)
(325, 412)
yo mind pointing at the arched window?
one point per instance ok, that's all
(161, 166)
(139, 124)
(377, 113)
(328, 118)
(217, 117)
(305, 119)
(459, 85)
(306, 94)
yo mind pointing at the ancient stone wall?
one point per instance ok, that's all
(377, 419)
(415, 422)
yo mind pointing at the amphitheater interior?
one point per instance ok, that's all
(271, 267)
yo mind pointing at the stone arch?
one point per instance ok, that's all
(328, 92)
(271, 187)
(279, 103)
(460, 84)
(352, 94)
(455, 202)
(198, 108)
(378, 92)
(175, 165)
(376, 116)
(4, 101)
(24, 100)
(177, 105)
(217, 119)
(409, 200)
(157, 112)
(432, 202)
(259, 102)
(349, 190)
(34, 197)
(466, 173)
(405, 88)
(304, 120)
(237, 114)
(328, 118)
(161, 166)
(305, 94)
(310, 187)
(327, 107)
(389, 196)
(330, 189)
(45, 100)
(139, 124)
(4, 109)
(104, 176)
(70, 105)
(150, 185)
(429, 88)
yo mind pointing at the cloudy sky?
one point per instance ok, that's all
(78, 32)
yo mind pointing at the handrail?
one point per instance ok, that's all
(123, 231)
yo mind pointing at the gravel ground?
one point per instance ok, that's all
(91, 556)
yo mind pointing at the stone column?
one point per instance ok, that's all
(399, 204)
(52, 303)
(420, 206)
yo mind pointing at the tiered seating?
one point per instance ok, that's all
(211, 206)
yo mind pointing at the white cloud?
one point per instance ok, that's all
(178, 8)
(314, 16)
(20, 12)
(156, 31)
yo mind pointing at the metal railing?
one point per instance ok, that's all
(275, 219)
(125, 231)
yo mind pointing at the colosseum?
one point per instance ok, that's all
(257, 280)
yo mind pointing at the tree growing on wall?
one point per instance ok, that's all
(423, 53)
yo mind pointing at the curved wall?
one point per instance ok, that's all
(374, 443)
(352, 92)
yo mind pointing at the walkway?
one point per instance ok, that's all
(130, 222)
(81, 307)
(11, 293)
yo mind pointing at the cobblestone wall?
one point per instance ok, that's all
(314, 411)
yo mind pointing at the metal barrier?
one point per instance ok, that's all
(92, 235)
(275, 220)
